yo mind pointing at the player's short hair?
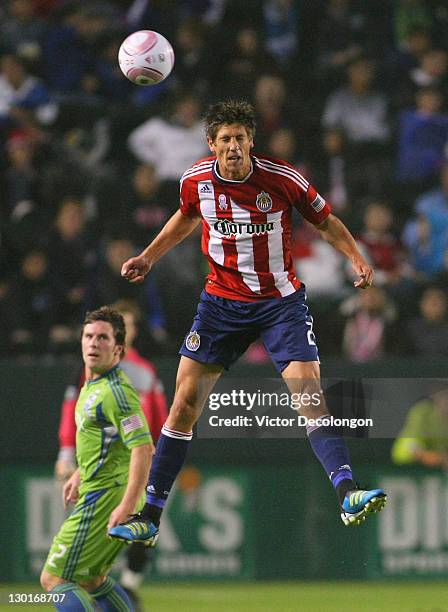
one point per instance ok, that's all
(112, 316)
(229, 112)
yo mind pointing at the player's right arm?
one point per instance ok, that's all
(176, 229)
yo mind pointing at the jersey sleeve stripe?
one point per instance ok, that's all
(282, 173)
(194, 167)
(143, 435)
(118, 393)
(202, 167)
(189, 175)
(285, 171)
(293, 171)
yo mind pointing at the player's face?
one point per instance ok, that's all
(100, 350)
(232, 145)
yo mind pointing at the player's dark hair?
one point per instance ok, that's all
(229, 112)
(109, 315)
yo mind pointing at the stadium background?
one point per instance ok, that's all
(84, 181)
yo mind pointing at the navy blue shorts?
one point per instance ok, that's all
(223, 329)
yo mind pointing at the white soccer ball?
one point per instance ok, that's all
(146, 57)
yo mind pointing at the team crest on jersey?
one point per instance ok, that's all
(222, 200)
(193, 341)
(264, 202)
(90, 403)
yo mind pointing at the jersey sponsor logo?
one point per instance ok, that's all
(193, 341)
(230, 228)
(318, 203)
(263, 202)
(222, 200)
(205, 188)
(131, 423)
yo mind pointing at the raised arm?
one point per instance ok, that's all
(178, 227)
(335, 233)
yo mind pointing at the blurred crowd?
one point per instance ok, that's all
(352, 93)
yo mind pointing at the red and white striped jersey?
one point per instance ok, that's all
(246, 225)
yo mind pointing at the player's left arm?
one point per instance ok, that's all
(335, 233)
(137, 479)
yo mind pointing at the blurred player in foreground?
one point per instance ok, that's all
(245, 204)
(143, 376)
(113, 451)
(424, 436)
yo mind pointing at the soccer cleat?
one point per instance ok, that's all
(136, 529)
(358, 504)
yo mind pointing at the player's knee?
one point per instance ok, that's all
(184, 412)
(92, 585)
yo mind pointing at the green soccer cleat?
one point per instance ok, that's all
(136, 529)
(358, 504)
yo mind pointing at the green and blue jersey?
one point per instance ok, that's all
(109, 423)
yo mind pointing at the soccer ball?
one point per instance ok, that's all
(146, 57)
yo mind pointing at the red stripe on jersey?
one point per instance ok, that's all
(247, 226)
(287, 252)
(229, 246)
(261, 258)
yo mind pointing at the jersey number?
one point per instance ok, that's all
(57, 555)
(310, 333)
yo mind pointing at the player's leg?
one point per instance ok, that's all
(220, 334)
(71, 596)
(56, 576)
(137, 557)
(108, 595)
(81, 554)
(303, 381)
(194, 382)
(328, 444)
(290, 341)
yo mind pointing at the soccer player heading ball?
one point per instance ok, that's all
(245, 203)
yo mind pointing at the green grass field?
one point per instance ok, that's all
(278, 597)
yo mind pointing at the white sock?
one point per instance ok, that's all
(131, 580)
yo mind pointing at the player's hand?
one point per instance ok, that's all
(121, 514)
(365, 273)
(70, 491)
(63, 470)
(136, 268)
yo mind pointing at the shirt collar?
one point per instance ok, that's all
(105, 375)
(230, 181)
